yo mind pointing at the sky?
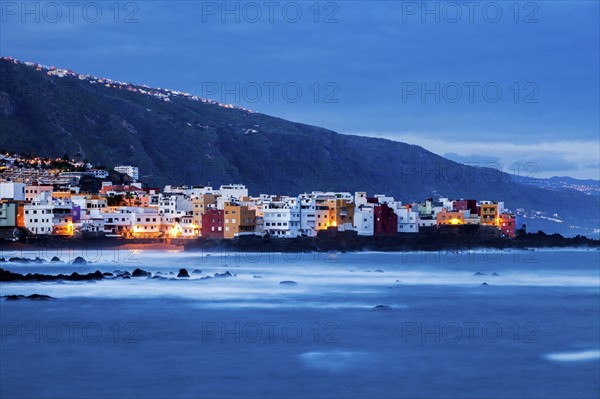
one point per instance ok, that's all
(502, 83)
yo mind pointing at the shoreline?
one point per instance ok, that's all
(328, 242)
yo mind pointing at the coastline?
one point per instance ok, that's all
(327, 242)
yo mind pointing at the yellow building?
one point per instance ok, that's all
(489, 214)
(199, 206)
(238, 219)
(341, 212)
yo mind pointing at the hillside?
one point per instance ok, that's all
(194, 142)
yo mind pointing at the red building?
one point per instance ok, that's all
(508, 224)
(212, 224)
(385, 221)
(464, 205)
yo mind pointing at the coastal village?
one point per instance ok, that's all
(46, 197)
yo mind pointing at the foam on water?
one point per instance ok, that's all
(580, 356)
(334, 361)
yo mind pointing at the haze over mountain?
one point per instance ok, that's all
(176, 138)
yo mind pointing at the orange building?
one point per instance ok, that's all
(238, 219)
(450, 217)
(489, 214)
(341, 212)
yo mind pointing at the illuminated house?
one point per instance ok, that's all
(47, 215)
(146, 223)
(450, 217)
(490, 211)
(184, 227)
(508, 224)
(341, 213)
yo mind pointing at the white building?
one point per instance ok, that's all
(32, 191)
(363, 219)
(282, 218)
(131, 171)
(408, 220)
(231, 192)
(47, 215)
(12, 190)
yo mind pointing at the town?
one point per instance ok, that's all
(48, 197)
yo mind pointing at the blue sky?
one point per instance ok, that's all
(477, 82)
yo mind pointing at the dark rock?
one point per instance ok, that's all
(183, 273)
(379, 271)
(256, 276)
(6, 275)
(17, 259)
(479, 274)
(79, 261)
(55, 259)
(107, 274)
(197, 271)
(484, 284)
(495, 274)
(33, 297)
(140, 273)
(126, 277)
(381, 308)
(226, 274)
(39, 297)
(288, 282)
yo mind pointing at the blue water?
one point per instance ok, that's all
(532, 332)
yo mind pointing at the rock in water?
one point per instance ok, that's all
(183, 273)
(378, 271)
(381, 308)
(480, 274)
(197, 271)
(495, 274)
(79, 261)
(107, 274)
(484, 284)
(55, 259)
(288, 282)
(141, 273)
(226, 274)
(39, 297)
(33, 297)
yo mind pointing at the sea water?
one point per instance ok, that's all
(532, 330)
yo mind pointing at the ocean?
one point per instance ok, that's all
(473, 324)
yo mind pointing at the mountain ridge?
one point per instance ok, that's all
(175, 139)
